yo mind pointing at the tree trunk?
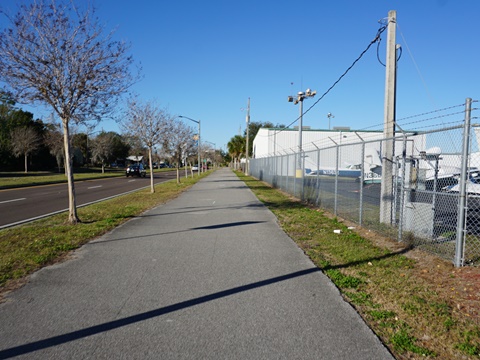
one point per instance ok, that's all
(59, 163)
(178, 174)
(150, 163)
(26, 165)
(72, 205)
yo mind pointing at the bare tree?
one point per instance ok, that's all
(102, 148)
(150, 124)
(56, 54)
(24, 141)
(54, 141)
(180, 144)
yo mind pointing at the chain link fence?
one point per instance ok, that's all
(431, 202)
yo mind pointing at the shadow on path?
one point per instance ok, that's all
(210, 227)
(97, 329)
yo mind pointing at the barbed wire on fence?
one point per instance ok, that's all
(375, 135)
(432, 118)
(365, 137)
(430, 112)
(380, 125)
(328, 142)
(458, 122)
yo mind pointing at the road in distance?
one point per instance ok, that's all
(23, 204)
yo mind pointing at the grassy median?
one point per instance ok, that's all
(420, 306)
(26, 248)
(10, 180)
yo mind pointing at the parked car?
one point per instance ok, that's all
(136, 170)
(195, 168)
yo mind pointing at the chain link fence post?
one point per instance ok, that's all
(362, 178)
(402, 181)
(335, 201)
(460, 239)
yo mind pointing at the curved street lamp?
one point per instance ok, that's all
(214, 151)
(198, 143)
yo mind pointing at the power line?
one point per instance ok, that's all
(377, 37)
(416, 66)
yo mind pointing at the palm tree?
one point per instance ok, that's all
(236, 148)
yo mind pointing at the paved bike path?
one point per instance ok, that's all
(210, 275)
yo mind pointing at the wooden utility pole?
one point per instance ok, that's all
(388, 152)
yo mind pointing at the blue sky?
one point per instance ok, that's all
(204, 59)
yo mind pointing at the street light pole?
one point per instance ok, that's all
(214, 152)
(198, 143)
(300, 97)
(247, 167)
(329, 115)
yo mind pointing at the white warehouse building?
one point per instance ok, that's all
(351, 144)
(341, 149)
(280, 141)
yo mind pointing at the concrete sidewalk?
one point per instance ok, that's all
(210, 275)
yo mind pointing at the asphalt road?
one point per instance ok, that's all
(25, 204)
(209, 275)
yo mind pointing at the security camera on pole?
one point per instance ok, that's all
(300, 97)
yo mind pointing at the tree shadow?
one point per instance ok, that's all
(220, 226)
(210, 227)
(193, 209)
(115, 324)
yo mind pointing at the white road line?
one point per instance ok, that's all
(64, 210)
(94, 187)
(7, 201)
